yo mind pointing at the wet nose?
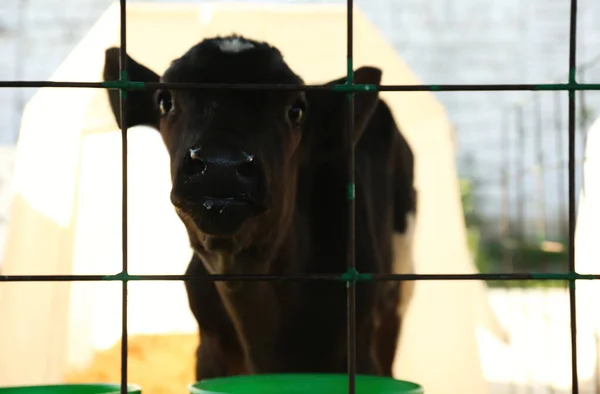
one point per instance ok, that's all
(227, 162)
(230, 160)
(222, 172)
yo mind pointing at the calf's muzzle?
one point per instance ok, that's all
(220, 188)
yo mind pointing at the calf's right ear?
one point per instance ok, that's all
(141, 109)
(329, 113)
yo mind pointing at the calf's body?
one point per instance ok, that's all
(259, 180)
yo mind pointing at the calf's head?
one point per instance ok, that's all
(235, 155)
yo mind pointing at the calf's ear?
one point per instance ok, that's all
(141, 109)
(329, 110)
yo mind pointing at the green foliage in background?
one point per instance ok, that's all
(489, 255)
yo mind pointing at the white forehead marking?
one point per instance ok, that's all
(234, 44)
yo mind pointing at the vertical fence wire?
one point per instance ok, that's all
(351, 258)
(572, 295)
(124, 198)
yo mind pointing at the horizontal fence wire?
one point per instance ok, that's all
(351, 276)
(342, 88)
(581, 67)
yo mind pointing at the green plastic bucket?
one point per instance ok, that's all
(302, 384)
(84, 388)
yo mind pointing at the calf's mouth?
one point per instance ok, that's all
(219, 216)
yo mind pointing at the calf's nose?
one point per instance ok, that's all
(222, 172)
(219, 188)
(228, 163)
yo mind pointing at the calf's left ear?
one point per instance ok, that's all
(140, 103)
(329, 110)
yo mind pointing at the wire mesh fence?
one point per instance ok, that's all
(527, 183)
(569, 87)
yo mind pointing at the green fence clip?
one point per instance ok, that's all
(351, 191)
(352, 276)
(551, 86)
(121, 276)
(354, 88)
(349, 72)
(127, 85)
(573, 76)
(565, 276)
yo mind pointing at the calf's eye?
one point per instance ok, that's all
(165, 102)
(295, 113)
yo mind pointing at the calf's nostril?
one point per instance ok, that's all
(247, 170)
(197, 166)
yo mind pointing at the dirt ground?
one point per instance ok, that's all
(160, 364)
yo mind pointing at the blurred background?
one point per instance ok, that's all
(511, 147)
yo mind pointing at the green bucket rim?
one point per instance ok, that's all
(302, 383)
(72, 388)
